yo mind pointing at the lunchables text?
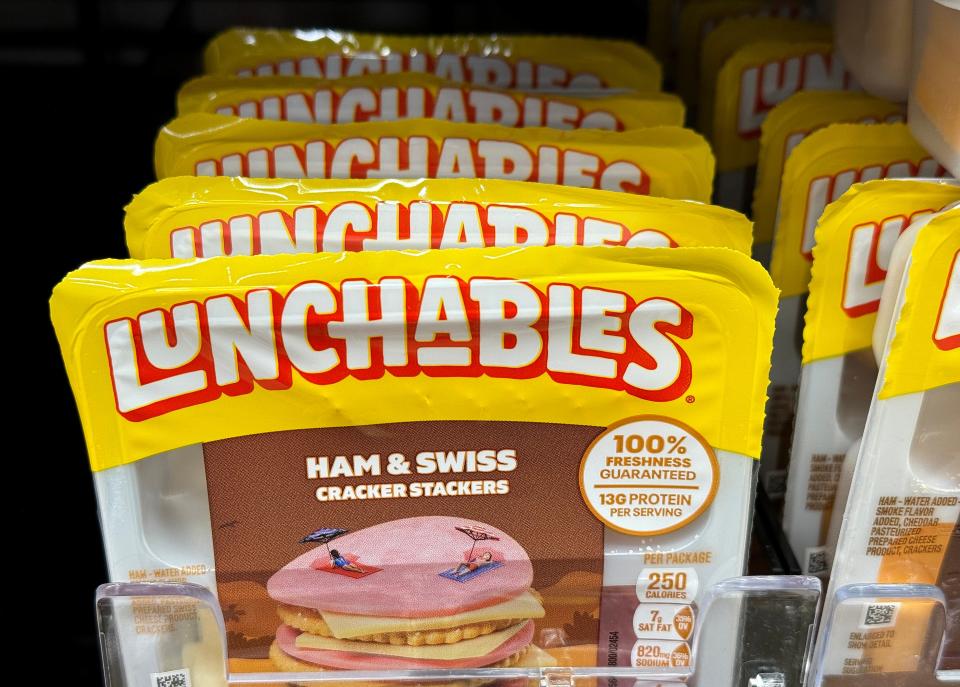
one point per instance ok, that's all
(388, 225)
(825, 189)
(419, 157)
(480, 70)
(765, 85)
(868, 257)
(364, 104)
(441, 326)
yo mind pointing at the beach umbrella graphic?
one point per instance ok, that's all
(324, 536)
(476, 534)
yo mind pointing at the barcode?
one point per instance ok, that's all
(816, 561)
(171, 678)
(768, 680)
(776, 484)
(880, 614)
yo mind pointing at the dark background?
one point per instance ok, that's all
(86, 85)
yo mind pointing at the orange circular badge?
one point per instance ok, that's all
(648, 475)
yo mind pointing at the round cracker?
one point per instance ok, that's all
(311, 621)
(288, 664)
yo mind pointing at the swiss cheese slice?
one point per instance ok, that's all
(469, 648)
(346, 626)
(535, 657)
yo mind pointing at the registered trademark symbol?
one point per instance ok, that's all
(690, 399)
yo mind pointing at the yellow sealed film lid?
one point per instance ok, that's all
(670, 162)
(755, 80)
(187, 217)
(925, 350)
(819, 170)
(854, 241)
(388, 97)
(733, 36)
(167, 353)
(789, 123)
(504, 61)
(698, 19)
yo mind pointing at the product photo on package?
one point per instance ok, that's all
(671, 162)
(186, 217)
(420, 432)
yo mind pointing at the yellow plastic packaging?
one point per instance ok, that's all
(699, 19)
(854, 250)
(125, 421)
(755, 80)
(185, 217)
(418, 399)
(745, 36)
(820, 169)
(789, 123)
(389, 97)
(661, 161)
(854, 239)
(906, 461)
(925, 350)
(524, 62)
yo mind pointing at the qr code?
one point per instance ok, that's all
(817, 561)
(172, 678)
(776, 484)
(768, 680)
(880, 615)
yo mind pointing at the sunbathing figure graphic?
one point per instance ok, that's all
(342, 563)
(474, 564)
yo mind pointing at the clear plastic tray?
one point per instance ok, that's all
(905, 629)
(174, 635)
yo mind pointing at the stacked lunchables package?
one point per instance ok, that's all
(431, 356)
(892, 609)
(873, 495)
(749, 65)
(855, 239)
(819, 170)
(768, 77)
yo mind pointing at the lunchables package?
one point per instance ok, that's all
(670, 162)
(501, 61)
(854, 240)
(388, 97)
(428, 460)
(698, 19)
(819, 170)
(789, 123)
(763, 44)
(748, 67)
(186, 217)
(754, 80)
(892, 607)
